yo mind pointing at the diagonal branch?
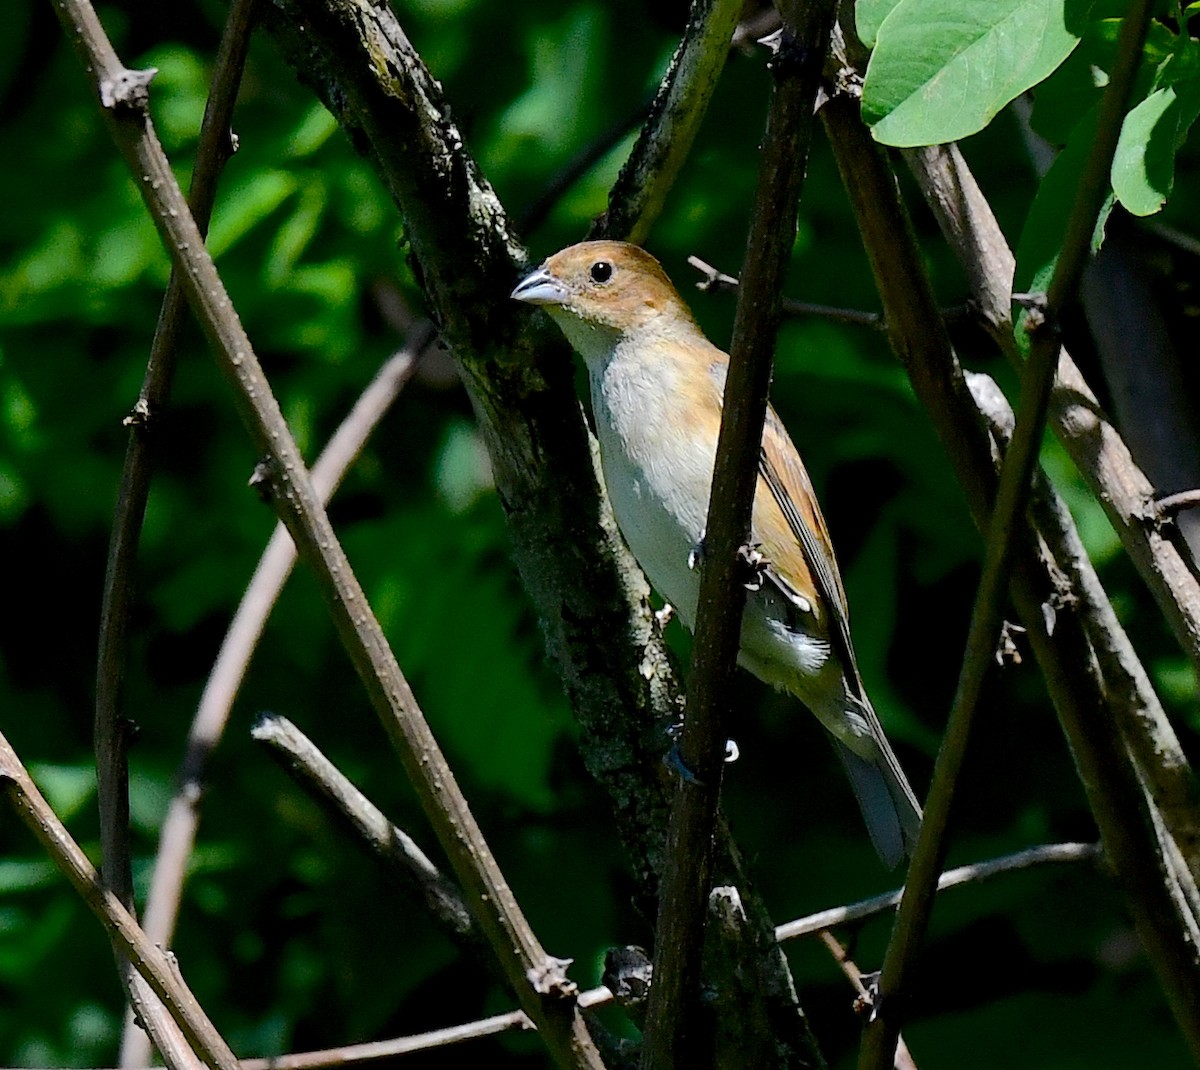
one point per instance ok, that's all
(673, 1035)
(1103, 458)
(160, 971)
(538, 980)
(879, 1041)
(592, 598)
(178, 834)
(641, 188)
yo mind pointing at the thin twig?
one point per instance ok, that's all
(641, 188)
(1171, 504)
(718, 281)
(538, 980)
(213, 149)
(325, 782)
(673, 1037)
(903, 1059)
(1051, 853)
(160, 971)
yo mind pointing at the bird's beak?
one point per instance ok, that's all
(539, 287)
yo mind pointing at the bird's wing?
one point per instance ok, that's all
(788, 485)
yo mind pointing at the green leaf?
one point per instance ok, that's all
(868, 16)
(942, 69)
(1046, 224)
(1143, 169)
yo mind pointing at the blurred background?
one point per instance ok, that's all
(291, 937)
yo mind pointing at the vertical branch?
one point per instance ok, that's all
(538, 980)
(111, 739)
(1119, 485)
(673, 1037)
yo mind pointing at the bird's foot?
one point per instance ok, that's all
(695, 556)
(752, 566)
(673, 759)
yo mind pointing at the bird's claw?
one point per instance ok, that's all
(695, 556)
(753, 566)
(673, 760)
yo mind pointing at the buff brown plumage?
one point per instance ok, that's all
(657, 385)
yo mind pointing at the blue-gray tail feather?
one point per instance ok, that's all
(888, 804)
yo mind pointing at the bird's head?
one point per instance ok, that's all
(603, 292)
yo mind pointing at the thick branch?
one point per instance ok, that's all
(673, 1036)
(592, 598)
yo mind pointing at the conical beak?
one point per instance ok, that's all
(539, 287)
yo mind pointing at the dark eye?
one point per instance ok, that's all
(600, 271)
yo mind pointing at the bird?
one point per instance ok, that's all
(657, 386)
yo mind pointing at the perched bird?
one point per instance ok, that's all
(657, 386)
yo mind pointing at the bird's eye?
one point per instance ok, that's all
(601, 271)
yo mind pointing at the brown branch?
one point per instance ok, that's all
(538, 980)
(902, 1060)
(1020, 460)
(178, 833)
(1085, 430)
(111, 733)
(160, 971)
(321, 779)
(673, 1036)
(719, 282)
(641, 188)
(1080, 694)
(1101, 455)
(592, 598)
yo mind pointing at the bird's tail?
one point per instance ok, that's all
(888, 803)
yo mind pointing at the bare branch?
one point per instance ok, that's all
(1052, 853)
(160, 971)
(178, 833)
(112, 773)
(673, 1036)
(1080, 694)
(580, 576)
(1101, 455)
(1080, 423)
(323, 780)
(538, 979)
(641, 188)
(716, 280)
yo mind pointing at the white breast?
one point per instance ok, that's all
(658, 477)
